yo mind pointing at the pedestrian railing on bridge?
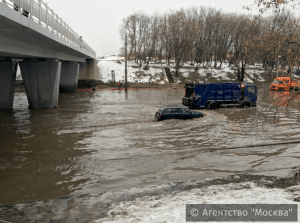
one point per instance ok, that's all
(39, 12)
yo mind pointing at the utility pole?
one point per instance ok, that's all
(278, 57)
(126, 57)
(278, 64)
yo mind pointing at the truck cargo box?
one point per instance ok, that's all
(216, 95)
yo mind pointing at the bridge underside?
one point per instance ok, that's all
(48, 62)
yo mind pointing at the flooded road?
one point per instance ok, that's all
(106, 140)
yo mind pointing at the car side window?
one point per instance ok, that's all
(168, 111)
(186, 111)
(177, 110)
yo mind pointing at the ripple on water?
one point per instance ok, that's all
(102, 140)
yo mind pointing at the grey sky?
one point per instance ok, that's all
(98, 21)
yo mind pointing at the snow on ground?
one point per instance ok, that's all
(255, 75)
(220, 74)
(113, 58)
(18, 76)
(296, 76)
(156, 73)
(171, 207)
(133, 74)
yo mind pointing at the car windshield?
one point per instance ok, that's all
(275, 82)
(160, 110)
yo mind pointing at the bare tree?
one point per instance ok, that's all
(206, 36)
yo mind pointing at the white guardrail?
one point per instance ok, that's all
(39, 12)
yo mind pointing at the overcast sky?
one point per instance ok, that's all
(98, 21)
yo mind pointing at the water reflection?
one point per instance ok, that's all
(281, 107)
(289, 99)
(32, 155)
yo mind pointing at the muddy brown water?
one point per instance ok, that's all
(107, 140)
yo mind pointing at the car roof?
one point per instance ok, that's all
(220, 83)
(282, 78)
(206, 83)
(173, 106)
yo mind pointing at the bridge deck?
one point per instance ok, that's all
(22, 37)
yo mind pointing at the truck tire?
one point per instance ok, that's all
(213, 106)
(246, 105)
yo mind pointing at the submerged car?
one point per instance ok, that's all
(176, 112)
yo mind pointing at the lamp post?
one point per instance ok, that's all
(126, 56)
(277, 65)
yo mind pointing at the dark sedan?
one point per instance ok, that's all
(176, 112)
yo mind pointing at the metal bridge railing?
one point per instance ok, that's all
(39, 12)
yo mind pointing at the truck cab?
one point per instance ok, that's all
(215, 95)
(281, 84)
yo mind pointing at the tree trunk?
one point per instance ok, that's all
(242, 73)
(238, 74)
(169, 75)
(221, 63)
(177, 67)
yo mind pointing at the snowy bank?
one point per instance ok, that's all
(134, 74)
(172, 207)
(157, 203)
(156, 73)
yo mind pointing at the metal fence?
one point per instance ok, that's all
(39, 12)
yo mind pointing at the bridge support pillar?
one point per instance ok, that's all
(8, 70)
(69, 77)
(41, 80)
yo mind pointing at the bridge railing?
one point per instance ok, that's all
(39, 12)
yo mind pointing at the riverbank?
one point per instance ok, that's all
(158, 203)
(100, 75)
(90, 84)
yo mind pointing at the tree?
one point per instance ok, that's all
(206, 36)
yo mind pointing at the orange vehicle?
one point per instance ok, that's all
(281, 84)
(296, 84)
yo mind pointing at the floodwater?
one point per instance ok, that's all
(109, 140)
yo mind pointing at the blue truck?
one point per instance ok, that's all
(212, 96)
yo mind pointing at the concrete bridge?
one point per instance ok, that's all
(46, 48)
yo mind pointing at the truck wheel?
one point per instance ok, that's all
(213, 107)
(246, 105)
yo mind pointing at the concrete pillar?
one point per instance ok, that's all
(69, 77)
(8, 70)
(41, 80)
(89, 70)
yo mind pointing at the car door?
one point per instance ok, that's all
(186, 113)
(168, 113)
(177, 113)
(180, 114)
